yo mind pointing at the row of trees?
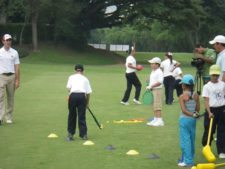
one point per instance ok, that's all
(180, 32)
(168, 23)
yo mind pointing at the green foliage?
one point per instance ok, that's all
(45, 32)
(63, 18)
(23, 51)
(157, 25)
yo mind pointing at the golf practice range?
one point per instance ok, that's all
(36, 139)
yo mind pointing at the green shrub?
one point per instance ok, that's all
(23, 51)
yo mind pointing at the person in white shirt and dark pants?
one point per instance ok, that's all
(79, 88)
(213, 94)
(131, 78)
(167, 66)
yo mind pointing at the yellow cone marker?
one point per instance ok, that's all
(132, 152)
(52, 135)
(88, 143)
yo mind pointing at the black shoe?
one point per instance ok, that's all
(70, 137)
(0, 122)
(84, 137)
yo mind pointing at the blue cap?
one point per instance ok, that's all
(187, 79)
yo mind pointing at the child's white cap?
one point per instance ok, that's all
(155, 60)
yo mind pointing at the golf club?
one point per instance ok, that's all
(200, 115)
(206, 151)
(208, 166)
(96, 121)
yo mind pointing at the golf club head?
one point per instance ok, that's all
(153, 156)
(206, 166)
(208, 154)
(110, 147)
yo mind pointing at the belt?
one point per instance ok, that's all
(8, 74)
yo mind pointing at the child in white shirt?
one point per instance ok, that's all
(155, 85)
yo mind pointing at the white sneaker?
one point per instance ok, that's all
(124, 103)
(158, 122)
(222, 155)
(9, 121)
(181, 164)
(136, 101)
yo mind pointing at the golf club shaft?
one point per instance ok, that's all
(210, 131)
(201, 115)
(95, 119)
(220, 165)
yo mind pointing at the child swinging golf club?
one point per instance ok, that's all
(190, 105)
(79, 92)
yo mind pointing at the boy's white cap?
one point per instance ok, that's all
(218, 39)
(155, 60)
(7, 36)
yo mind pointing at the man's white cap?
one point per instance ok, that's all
(218, 39)
(155, 60)
(7, 36)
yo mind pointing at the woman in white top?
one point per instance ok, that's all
(131, 78)
(167, 66)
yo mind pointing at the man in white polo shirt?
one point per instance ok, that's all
(9, 77)
(219, 45)
(79, 93)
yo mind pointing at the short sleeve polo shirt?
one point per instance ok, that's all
(8, 60)
(78, 83)
(155, 77)
(215, 93)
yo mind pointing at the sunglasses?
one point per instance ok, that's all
(8, 40)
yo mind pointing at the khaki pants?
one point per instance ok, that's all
(7, 86)
(157, 94)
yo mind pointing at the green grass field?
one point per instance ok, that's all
(41, 109)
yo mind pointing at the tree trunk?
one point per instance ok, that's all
(34, 9)
(22, 30)
(2, 17)
(34, 32)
